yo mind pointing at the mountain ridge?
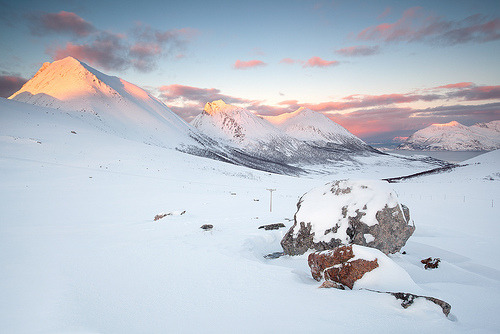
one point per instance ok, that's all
(454, 136)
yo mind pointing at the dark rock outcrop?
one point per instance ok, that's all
(272, 226)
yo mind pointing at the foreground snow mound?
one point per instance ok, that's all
(343, 212)
(454, 136)
(358, 267)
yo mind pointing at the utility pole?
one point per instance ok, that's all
(271, 200)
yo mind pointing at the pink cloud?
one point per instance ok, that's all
(359, 50)
(417, 25)
(319, 62)
(241, 65)
(477, 93)
(62, 22)
(456, 85)
(289, 61)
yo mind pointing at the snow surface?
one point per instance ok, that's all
(80, 252)
(454, 136)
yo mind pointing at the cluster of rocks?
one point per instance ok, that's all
(333, 218)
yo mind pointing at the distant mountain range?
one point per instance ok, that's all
(454, 136)
(287, 144)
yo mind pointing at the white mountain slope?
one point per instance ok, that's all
(110, 103)
(310, 126)
(454, 136)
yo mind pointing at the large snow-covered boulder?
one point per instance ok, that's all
(347, 212)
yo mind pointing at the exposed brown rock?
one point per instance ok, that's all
(431, 263)
(161, 215)
(336, 266)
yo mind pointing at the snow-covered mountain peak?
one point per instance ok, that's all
(308, 125)
(216, 106)
(110, 103)
(442, 125)
(454, 136)
(232, 123)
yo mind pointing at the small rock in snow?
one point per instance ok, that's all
(207, 227)
(274, 255)
(272, 226)
(431, 263)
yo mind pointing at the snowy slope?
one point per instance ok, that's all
(110, 103)
(310, 126)
(80, 252)
(454, 136)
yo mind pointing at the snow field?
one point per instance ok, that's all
(80, 252)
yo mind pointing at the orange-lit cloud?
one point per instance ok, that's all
(359, 50)
(417, 25)
(319, 62)
(241, 65)
(62, 22)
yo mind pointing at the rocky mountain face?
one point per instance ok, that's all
(454, 136)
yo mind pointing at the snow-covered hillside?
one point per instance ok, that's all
(454, 136)
(310, 126)
(80, 251)
(110, 103)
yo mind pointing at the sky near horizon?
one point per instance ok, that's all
(382, 69)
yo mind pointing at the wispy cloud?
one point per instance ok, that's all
(359, 50)
(416, 25)
(63, 22)
(242, 65)
(10, 83)
(319, 62)
(456, 85)
(141, 48)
